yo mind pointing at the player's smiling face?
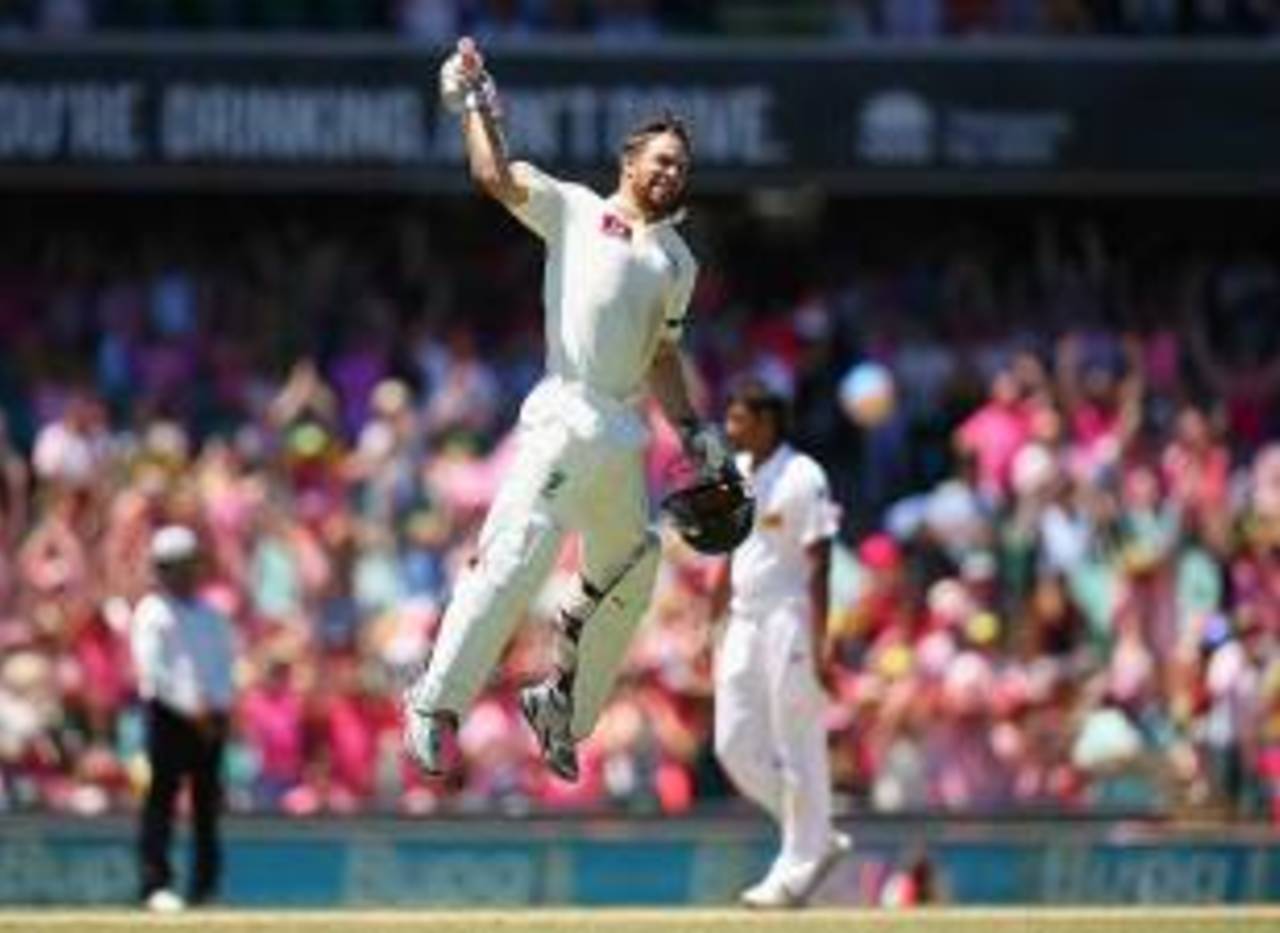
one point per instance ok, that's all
(656, 175)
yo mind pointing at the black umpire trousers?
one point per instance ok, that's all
(177, 748)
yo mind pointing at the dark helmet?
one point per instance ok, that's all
(714, 515)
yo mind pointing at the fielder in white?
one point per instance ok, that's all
(770, 664)
(616, 286)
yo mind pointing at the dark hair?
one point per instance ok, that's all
(665, 122)
(755, 395)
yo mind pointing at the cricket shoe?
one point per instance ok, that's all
(805, 881)
(769, 893)
(164, 901)
(431, 739)
(549, 713)
(793, 886)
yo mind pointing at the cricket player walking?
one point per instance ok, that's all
(770, 664)
(616, 287)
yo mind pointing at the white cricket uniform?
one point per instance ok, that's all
(769, 732)
(184, 654)
(612, 292)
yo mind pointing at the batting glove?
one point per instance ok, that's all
(460, 92)
(707, 447)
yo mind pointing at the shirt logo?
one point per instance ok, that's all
(614, 226)
(771, 520)
(552, 484)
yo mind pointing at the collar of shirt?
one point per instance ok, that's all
(771, 463)
(675, 217)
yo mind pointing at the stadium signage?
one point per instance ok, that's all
(56, 121)
(354, 863)
(878, 118)
(258, 123)
(901, 128)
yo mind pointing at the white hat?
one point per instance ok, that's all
(173, 544)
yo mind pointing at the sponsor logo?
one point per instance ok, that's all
(900, 128)
(552, 484)
(614, 226)
(897, 127)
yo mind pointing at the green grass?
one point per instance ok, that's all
(544, 920)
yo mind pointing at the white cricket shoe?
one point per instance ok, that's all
(805, 880)
(431, 739)
(549, 712)
(769, 893)
(792, 886)
(164, 901)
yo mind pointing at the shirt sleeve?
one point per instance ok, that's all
(676, 311)
(545, 208)
(147, 644)
(819, 516)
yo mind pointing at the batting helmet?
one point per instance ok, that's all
(714, 515)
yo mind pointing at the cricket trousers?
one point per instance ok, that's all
(769, 732)
(177, 750)
(580, 469)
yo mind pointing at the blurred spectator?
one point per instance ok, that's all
(64, 17)
(1196, 470)
(1072, 598)
(854, 19)
(428, 20)
(913, 19)
(70, 450)
(272, 722)
(464, 392)
(994, 434)
(15, 479)
(626, 20)
(490, 20)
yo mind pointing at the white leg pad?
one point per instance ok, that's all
(607, 633)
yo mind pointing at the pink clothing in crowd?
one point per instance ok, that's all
(994, 434)
(273, 726)
(354, 727)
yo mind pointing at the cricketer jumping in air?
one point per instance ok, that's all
(616, 286)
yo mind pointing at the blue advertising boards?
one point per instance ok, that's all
(450, 862)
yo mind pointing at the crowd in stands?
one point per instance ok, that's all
(1058, 584)
(642, 20)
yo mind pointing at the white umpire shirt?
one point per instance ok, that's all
(793, 511)
(184, 654)
(612, 290)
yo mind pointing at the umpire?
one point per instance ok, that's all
(183, 651)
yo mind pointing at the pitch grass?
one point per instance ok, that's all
(676, 920)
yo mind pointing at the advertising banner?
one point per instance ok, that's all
(310, 115)
(322, 863)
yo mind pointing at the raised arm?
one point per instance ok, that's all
(467, 88)
(1132, 387)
